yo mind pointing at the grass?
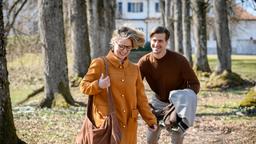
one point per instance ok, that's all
(241, 64)
(26, 72)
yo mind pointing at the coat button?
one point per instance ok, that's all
(124, 111)
(124, 126)
(122, 80)
(122, 95)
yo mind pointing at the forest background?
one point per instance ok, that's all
(31, 114)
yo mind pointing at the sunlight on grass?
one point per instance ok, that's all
(244, 65)
(26, 75)
(18, 95)
(218, 108)
(235, 57)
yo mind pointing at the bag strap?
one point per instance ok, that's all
(109, 94)
(110, 98)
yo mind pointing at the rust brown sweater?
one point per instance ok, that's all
(171, 72)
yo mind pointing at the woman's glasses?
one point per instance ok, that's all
(122, 47)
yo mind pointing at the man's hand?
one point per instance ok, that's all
(153, 128)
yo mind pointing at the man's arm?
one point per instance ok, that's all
(140, 64)
(190, 79)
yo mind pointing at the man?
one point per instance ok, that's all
(171, 77)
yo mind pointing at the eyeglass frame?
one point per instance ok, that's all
(122, 47)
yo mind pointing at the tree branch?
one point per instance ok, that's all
(41, 89)
(10, 23)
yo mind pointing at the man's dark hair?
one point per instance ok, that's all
(160, 29)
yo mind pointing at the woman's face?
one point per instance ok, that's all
(122, 48)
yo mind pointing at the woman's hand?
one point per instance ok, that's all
(153, 128)
(104, 82)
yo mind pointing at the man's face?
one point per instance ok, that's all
(158, 43)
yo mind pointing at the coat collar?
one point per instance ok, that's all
(114, 60)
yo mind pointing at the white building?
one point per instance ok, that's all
(145, 14)
(140, 14)
(242, 33)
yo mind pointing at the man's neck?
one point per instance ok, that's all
(160, 55)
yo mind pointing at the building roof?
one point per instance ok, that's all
(241, 14)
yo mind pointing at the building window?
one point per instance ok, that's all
(157, 7)
(135, 7)
(120, 8)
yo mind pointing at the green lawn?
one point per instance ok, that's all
(241, 64)
(26, 72)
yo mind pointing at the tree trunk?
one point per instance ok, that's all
(178, 26)
(101, 17)
(222, 35)
(7, 129)
(199, 21)
(79, 37)
(170, 22)
(166, 7)
(51, 28)
(163, 10)
(186, 30)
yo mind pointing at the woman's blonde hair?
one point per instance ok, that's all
(137, 37)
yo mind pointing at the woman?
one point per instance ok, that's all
(126, 85)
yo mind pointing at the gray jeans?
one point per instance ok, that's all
(177, 136)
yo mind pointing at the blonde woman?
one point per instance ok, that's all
(126, 85)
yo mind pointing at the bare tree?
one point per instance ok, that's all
(169, 18)
(166, 7)
(222, 36)
(79, 37)
(199, 22)
(101, 21)
(51, 28)
(7, 129)
(163, 10)
(186, 24)
(178, 26)
(12, 14)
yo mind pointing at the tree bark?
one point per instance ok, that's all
(223, 38)
(186, 30)
(79, 37)
(199, 21)
(166, 7)
(51, 28)
(163, 10)
(170, 22)
(7, 129)
(101, 21)
(178, 26)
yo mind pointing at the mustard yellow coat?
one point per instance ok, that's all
(127, 91)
